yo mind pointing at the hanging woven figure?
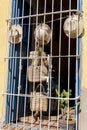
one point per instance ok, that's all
(38, 70)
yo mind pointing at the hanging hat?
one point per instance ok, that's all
(15, 34)
(42, 34)
(73, 26)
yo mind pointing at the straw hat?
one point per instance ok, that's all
(73, 26)
(15, 34)
(42, 34)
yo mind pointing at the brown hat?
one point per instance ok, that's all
(42, 34)
(15, 34)
(73, 26)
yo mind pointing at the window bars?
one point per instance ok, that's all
(43, 66)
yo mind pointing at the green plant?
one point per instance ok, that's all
(64, 99)
(64, 95)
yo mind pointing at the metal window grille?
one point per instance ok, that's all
(62, 61)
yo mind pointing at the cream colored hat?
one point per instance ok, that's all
(73, 26)
(42, 34)
(15, 34)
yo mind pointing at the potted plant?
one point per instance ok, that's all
(66, 118)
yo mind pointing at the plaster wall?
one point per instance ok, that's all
(4, 4)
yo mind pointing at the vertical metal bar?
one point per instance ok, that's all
(28, 47)
(68, 69)
(50, 66)
(45, 2)
(77, 87)
(14, 22)
(37, 9)
(41, 58)
(19, 87)
(79, 67)
(12, 68)
(59, 68)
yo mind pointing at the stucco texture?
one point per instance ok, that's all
(3, 43)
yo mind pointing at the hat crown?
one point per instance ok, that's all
(42, 33)
(73, 26)
(14, 33)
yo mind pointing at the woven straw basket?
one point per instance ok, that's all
(37, 73)
(38, 100)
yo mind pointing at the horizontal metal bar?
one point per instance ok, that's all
(62, 56)
(15, 125)
(43, 14)
(27, 95)
(29, 127)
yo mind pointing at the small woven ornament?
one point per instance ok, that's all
(73, 26)
(42, 34)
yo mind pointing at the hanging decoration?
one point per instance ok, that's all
(73, 26)
(42, 34)
(38, 69)
(15, 34)
(35, 103)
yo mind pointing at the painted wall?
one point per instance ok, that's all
(3, 28)
(83, 117)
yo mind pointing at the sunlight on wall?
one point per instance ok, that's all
(3, 69)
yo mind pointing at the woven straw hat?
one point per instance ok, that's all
(42, 34)
(15, 34)
(73, 26)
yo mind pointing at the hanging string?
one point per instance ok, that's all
(41, 22)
